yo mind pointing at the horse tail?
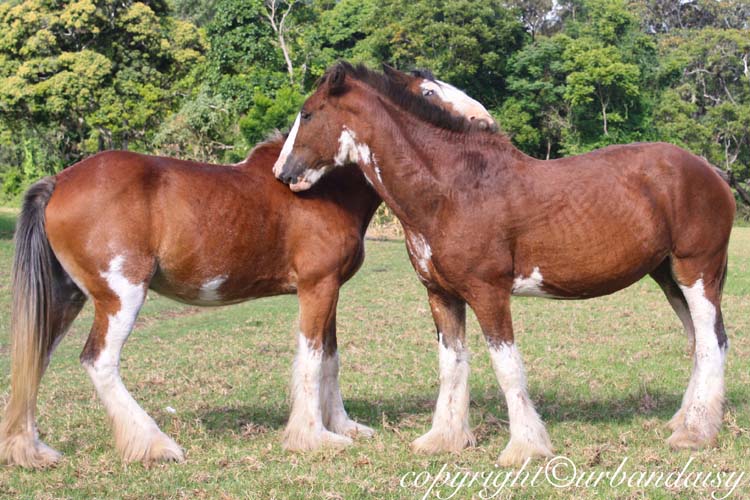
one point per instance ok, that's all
(35, 311)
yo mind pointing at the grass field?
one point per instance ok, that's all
(606, 375)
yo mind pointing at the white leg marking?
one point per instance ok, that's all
(335, 417)
(305, 430)
(287, 148)
(702, 408)
(136, 434)
(528, 437)
(450, 424)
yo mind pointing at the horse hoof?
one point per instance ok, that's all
(301, 442)
(442, 441)
(516, 453)
(677, 420)
(683, 438)
(353, 430)
(26, 451)
(164, 449)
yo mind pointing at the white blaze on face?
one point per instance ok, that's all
(286, 150)
(462, 103)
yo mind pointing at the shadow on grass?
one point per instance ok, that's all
(7, 226)
(553, 408)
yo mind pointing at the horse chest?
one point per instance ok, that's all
(421, 254)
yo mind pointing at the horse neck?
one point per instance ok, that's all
(409, 154)
(350, 191)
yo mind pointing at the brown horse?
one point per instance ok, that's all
(483, 221)
(118, 223)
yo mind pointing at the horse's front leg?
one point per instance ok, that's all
(335, 418)
(450, 423)
(528, 436)
(305, 430)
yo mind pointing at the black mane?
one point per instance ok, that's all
(425, 74)
(396, 93)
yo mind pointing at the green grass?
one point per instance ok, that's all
(606, 374)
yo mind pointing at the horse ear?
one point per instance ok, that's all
(394, 74)
(337, 80)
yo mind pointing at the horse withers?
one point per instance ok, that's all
(483, 221)
(118, 223)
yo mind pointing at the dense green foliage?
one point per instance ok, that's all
(208, 79)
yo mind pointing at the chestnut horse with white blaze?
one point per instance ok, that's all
(483, 221)
(117, 224)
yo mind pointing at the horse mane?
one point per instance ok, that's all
(424, 74)
(397, 94)
(275, 139)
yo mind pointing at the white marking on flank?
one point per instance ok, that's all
(531, 286)
(209, 291)
(287, 148)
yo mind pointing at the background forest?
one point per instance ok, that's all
(207, 79)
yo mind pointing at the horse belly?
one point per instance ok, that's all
(588, 267)
(225, 286)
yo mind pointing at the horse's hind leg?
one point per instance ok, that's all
(118, 294)
(663, 277)
(305, 430)
(335, 418)
(698, 421)
(450, 424)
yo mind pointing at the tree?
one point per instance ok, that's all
(536, 114)
(598, 74)
(708, 89)
(465, 42)
(90, 74)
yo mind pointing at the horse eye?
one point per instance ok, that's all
(305, 115)
(428, 92)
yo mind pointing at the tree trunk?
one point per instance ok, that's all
(279, 29)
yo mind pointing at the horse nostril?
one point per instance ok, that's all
(472, 118)
(287, 179)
